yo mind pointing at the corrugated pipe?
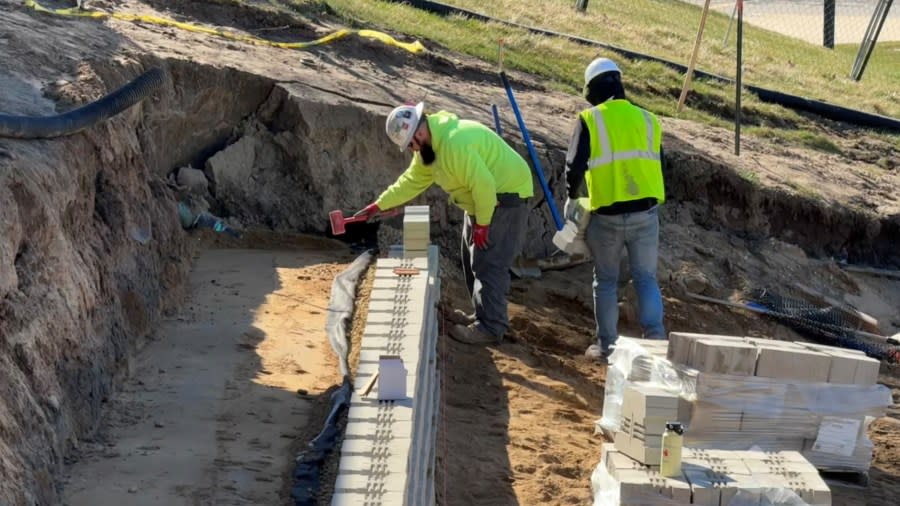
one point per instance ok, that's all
(825, 110)
(27, 127)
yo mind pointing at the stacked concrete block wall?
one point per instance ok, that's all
(710, 478)
(387, 455)
(748, 392)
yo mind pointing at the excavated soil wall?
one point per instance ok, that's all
(80, 286)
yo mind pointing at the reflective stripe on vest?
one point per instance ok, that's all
(609, 156)
(624, 161)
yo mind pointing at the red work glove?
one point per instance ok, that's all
(369, 211)
(480, 236)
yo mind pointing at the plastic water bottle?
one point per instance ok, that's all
(670, 459)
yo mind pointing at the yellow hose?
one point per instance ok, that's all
(414, 47)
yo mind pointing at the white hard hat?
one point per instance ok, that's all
(597, 67)
(402, 122)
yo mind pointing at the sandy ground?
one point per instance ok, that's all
(211, 413)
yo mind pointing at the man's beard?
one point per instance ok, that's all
(427, 154)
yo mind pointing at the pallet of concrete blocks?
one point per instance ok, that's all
(416, 231)
(780, 396)
(634, 360)
(710, 478)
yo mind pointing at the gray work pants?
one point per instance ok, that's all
(487, 270)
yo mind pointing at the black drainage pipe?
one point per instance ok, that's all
(823, 109)
(27, 127)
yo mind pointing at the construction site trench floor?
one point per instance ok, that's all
(211, 412)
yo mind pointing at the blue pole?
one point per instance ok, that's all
(548, 196)
(496, 119)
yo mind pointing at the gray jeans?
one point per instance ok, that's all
(487, 270)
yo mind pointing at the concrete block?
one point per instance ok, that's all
(801, 365)
(736, 359)
(646, 455)
(679, 349)
(361, 447)
(677, 489)
(774, 343)
(728, 467)
(623, 442)
(652, 425)
(645, 399)
(618, 460)
(681, 344)
(713, 419)
(843, 368)
(773, 456)
(648, 441)
(703, 489)
(758, 467)
(685, 410)
(828, 349)
(392, 263)
(866, 371)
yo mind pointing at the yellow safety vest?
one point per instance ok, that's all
(624, 163)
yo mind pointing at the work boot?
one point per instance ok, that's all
(595, 353)
(460, 317)
(471, 334)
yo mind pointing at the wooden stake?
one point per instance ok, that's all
(690, 73)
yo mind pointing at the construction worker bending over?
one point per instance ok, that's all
(487, 179)
(616, 150)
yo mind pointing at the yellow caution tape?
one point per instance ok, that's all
(413, 47)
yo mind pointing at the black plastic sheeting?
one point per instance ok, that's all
(823, 109)
(309, 462)
(308, 467)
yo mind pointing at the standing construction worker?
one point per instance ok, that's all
(616, 151)
(487, 179)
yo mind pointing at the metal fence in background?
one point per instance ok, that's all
(856, 23)
(823, 22)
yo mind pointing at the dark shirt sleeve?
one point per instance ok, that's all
(577, 159)
(662, 159)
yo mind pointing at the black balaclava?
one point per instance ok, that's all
(604, 87)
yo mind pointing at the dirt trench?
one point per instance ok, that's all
(86, 306)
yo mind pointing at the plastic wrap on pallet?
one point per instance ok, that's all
(738, 412)
(629, 362)
(735, 412)
(608, 492)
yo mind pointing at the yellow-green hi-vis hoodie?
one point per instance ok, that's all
(472, 164)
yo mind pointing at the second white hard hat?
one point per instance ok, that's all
(402, 123)
(599, 66)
